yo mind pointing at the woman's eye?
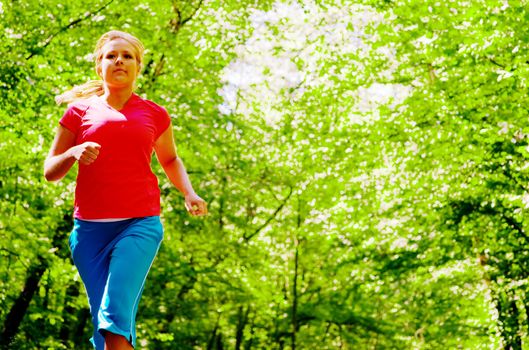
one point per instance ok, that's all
(128, 56)
(110, 56)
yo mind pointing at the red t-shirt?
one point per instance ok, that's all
(120, 183)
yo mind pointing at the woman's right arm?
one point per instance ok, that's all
(64, 152)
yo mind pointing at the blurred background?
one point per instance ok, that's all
(365, 164)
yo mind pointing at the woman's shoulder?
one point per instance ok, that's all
(149, 103)
(153, 106)
(80, 105)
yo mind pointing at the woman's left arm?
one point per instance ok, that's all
(174, 168)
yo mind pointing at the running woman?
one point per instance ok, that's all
(111, 132)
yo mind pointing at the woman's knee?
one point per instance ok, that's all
(116, 342)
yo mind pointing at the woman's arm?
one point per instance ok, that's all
(174, 169)
(63, 153)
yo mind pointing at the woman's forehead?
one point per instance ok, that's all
(118, 45)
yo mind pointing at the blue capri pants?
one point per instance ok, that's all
(113, 260)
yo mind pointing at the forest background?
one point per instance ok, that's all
(365, 164)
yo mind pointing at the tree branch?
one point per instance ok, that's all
(496, 63)
(248, 237)
(178, 22)
(193, 14)
(38, 50)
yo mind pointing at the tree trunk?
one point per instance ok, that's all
(213, 337)
(218, 343)
(241, 324)
(18, 310)
(66, 332)
(514, 314)
(508, 317)
(84, 317)
(249, 342)
(295, 297)
(295, 282)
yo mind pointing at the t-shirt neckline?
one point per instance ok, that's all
(131, 99)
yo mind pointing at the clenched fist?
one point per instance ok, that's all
(86, 153)
(195, 205)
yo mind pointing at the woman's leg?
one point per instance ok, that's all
(132, 256)
(113, 260)
(89, 244)
(116, 342)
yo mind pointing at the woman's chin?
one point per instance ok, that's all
(118, 83)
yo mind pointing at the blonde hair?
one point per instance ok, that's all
(96, 87)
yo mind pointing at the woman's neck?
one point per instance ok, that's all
(117, 98)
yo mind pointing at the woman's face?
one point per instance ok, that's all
(119, 66)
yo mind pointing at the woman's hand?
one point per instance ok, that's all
(86, 153)
(195, 205)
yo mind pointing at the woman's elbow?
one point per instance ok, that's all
(49, 174)
(168, 161)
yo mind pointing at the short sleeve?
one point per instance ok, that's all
(72, 118)
(162, 121)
